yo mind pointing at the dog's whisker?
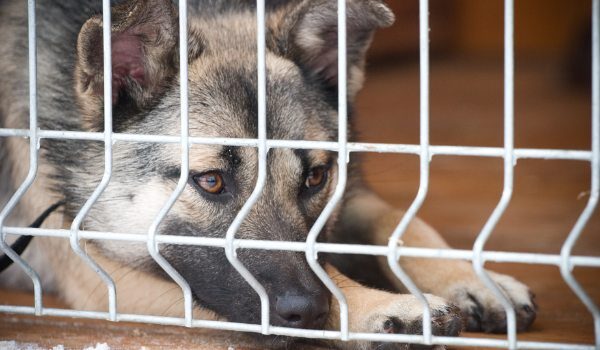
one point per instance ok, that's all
(177, 301)
(132, 267)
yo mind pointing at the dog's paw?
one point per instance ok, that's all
(403, 314)
(482, 311)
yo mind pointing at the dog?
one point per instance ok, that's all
(302, 78)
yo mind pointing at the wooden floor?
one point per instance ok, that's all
(466, 109)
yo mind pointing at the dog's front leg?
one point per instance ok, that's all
(376, 311)
(453, 280)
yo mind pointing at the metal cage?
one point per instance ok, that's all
(565, 261)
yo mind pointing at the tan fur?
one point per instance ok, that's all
(431, 275)
(454, 280)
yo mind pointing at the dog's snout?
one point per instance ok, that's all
(301, 311)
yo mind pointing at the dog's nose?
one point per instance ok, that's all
(301, 311)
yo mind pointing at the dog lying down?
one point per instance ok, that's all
(302, 79)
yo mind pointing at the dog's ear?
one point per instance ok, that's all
(314, 37)
(144, 47)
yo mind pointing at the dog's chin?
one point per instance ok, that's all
(277, 342)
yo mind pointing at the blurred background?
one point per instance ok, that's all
(552, 95)
(552, 28)
(552, 111)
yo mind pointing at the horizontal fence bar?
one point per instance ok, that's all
(292, 332)
(335, 248)
(519, 153)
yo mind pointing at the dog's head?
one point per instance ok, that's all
(302, 74)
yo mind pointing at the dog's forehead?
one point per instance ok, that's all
(224, 99)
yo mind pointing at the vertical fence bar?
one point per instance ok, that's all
(311, 253)
(424, 159)
(33, 160)
(152, 245)
(76, 224)
(509, 163)
(565, 267)
(262, 169)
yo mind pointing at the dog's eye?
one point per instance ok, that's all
(316, 177)
(211, 182)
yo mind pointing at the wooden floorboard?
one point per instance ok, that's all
(466, 109)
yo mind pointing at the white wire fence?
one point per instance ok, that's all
(478, 255)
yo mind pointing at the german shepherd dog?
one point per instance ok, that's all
(301, 62)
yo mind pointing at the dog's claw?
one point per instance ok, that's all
(482, 312)
(445, 321)
(448, 323)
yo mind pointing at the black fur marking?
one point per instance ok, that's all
(302, 154)
(217, 286)
(231, 154)
(22, 242)
(171, 172)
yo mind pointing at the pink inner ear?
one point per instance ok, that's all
(127, 61)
